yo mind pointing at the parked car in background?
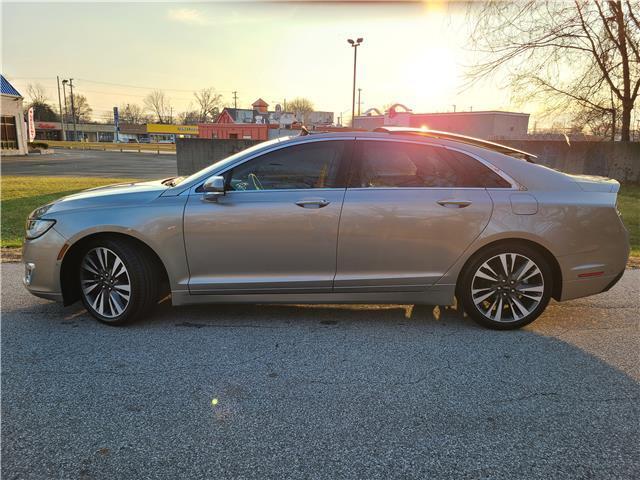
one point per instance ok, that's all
(394, 216)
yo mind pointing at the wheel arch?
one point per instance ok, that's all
(70, 261)
(549, 257)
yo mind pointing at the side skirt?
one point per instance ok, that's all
(436, 295)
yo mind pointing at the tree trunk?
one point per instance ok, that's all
(625, 129)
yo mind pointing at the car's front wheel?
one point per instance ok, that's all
(117, 282)
(506, 287)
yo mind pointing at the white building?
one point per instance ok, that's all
(13, 134)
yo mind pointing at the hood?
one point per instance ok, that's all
(592, 183)
(122, 194)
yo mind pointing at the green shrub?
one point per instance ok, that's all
(41, 145)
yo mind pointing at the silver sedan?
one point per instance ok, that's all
(392, 216)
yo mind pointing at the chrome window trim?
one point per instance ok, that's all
(514, 185)
(192, 189)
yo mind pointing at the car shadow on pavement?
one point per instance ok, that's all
(323, 314)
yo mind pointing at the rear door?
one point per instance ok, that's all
(410, 211)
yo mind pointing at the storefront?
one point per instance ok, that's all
(165, 133)
(83, 132)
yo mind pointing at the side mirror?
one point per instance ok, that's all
(213, 188)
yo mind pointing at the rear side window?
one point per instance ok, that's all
(398, 164)
(307, 166)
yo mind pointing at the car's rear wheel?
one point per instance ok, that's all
(117, 281)
(506, 287)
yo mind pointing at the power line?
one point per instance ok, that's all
(144, 87)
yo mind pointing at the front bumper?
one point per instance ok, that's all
(42, 267)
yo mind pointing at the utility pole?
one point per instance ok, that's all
(454, 108)
(73, 112)
(359, 102)
(235, 99)
(66, 110)
(355, 44)
(64, 137)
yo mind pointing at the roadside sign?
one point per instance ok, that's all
(31, 125)
(116, 124)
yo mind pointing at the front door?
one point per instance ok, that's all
(275, 230)
(409, 213)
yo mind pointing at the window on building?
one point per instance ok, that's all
(313, 165)
(398, 164)
(8, 133)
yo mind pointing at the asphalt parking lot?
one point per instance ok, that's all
(92, 163)
(320, 392)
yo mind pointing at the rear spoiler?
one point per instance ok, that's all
(478, 142)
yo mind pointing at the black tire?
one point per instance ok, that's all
(141, 272)
(505, 295)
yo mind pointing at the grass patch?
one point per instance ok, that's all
(20, 195)
(629, 206)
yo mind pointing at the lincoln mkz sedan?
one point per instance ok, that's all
(392, 216)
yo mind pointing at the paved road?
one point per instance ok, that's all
(320, 392)
(92, 163)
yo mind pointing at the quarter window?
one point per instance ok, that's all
(313, 165)
(397, 164)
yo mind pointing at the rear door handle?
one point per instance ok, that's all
(454, 203)
(313, 203)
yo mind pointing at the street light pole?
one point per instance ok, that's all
(355, 44)
(73, 113)
(359, 102)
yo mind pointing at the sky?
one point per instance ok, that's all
(414, 53)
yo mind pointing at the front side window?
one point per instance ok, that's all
(397, 164)
(312, 165)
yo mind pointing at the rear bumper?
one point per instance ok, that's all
(589, 286)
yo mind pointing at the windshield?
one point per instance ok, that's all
(226, 161)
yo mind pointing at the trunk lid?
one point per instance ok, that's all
(592, 183)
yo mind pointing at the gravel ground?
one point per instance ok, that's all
(320, 392)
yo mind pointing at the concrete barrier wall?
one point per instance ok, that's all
(615, 160)
(194, 154)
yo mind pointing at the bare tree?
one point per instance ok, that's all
(37, 94)
(159, 105)
(38, 100)
(300, 106)
(132, 113)
(209, 103)
(576, 57)
(82, 109)
(189, 117)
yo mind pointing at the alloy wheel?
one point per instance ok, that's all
(507, 287)
(105, 282)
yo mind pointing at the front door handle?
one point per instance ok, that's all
(454, 203)
(313, 203)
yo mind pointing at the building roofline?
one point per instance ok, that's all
(479, 112)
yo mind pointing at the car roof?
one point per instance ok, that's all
(417, 133)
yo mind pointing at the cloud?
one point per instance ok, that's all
(187, 15)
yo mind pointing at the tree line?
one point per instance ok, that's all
(156, 107)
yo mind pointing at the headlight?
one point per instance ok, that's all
(37, 227)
